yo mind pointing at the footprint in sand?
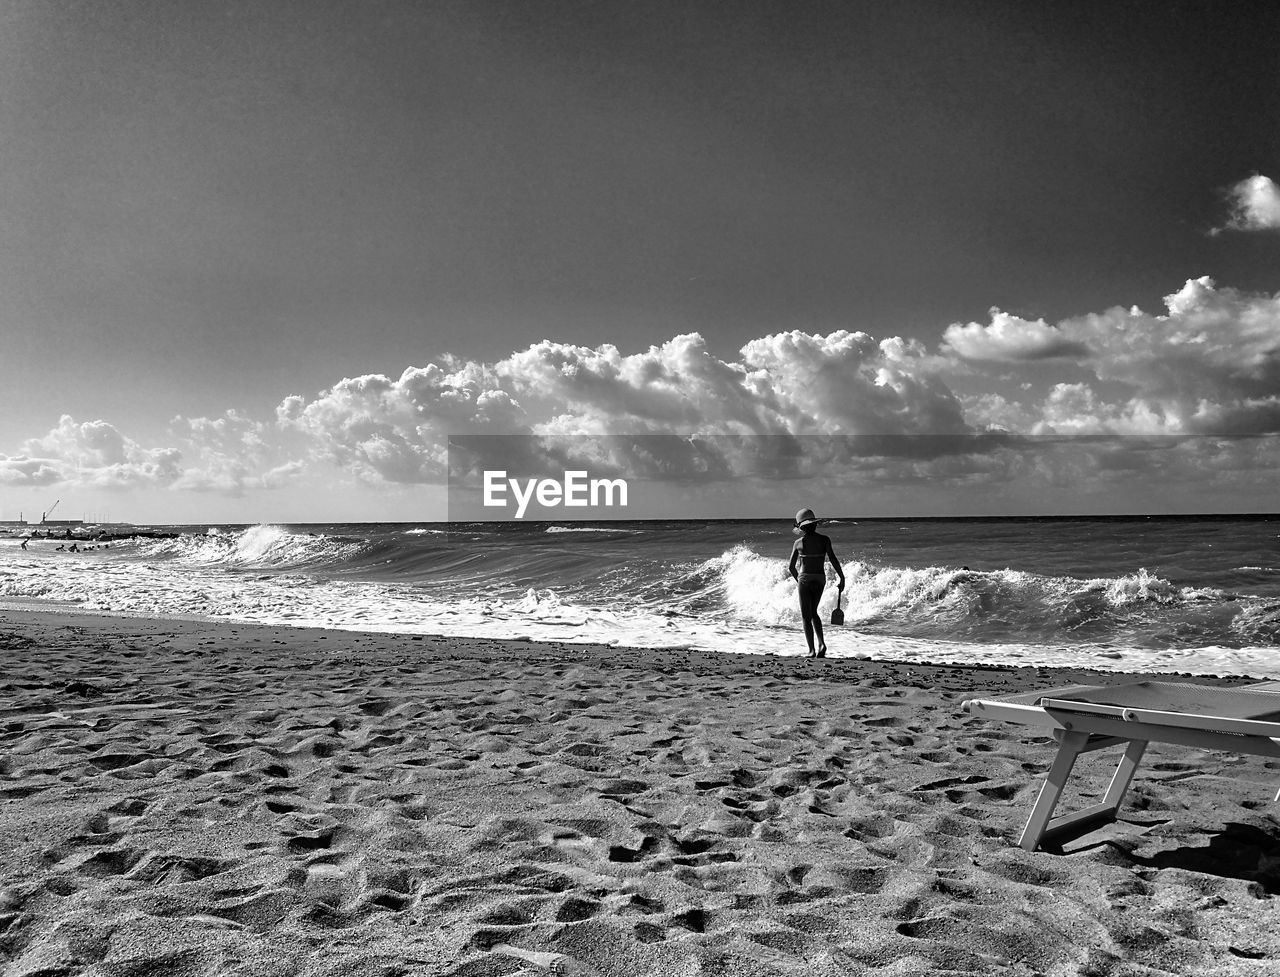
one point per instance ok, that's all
(113, 861)
(162, 869)
(650, 932)
(307, 843)
(694, 920)
(575, 909)
(130, 807)
(874, 828)
(645, 904)
(621, 853)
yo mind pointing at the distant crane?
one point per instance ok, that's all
(45, 515)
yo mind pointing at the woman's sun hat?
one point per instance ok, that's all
(805, 517)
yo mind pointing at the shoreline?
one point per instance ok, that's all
(909, 651)
(34, 610)
(211, 797)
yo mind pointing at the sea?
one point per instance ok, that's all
(1191, 594)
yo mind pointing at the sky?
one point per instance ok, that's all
(259, 261)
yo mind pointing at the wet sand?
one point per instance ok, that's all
(211, 798)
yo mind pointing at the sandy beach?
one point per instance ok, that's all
(213, 798)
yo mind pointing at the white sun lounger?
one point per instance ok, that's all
(1083, 718)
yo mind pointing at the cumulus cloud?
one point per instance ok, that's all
(95, 453)
(847, 383)
(1210, 364)
(1255, 205)
(1071, 408)
(230, 455)
(789, 384)
(397, 430)
(995, 412)
(676, 387)
(1010, 339)
(24, 471)
(884, 410)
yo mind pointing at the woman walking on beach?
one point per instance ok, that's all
(811, 551)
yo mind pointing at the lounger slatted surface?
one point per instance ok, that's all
(1083, 718)
(1179, 697)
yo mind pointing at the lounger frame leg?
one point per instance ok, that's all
(1042, 825)
(1070, 747)
(1123, 776)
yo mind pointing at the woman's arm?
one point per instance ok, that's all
(795, 555)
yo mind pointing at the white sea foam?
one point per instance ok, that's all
(543, 615)
(263, 546)
(588, 529)
(1138, 587)
(758, 588)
